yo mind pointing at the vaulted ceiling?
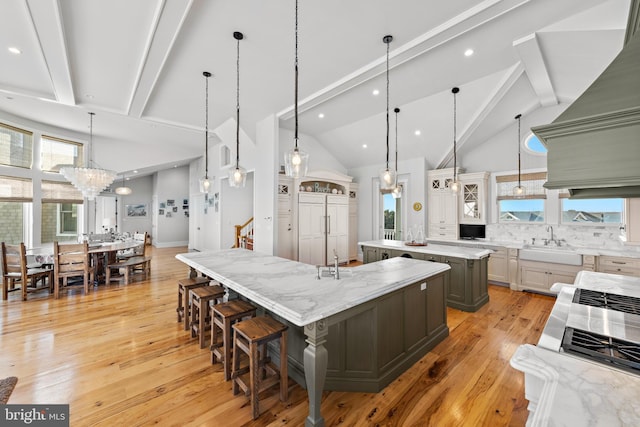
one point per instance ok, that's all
(138, 65)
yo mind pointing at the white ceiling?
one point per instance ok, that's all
(138, 65)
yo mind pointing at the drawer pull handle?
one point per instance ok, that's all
(619, 262)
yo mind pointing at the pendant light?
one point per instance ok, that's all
(397, 190)
(205, 182)
(123, 190)
(238, 175)
(519, 191)
(387, 175)
(90, 180)
(455, 185)
(296, 161)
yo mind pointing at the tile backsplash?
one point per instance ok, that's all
(590, 236)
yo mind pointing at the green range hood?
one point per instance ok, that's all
(594, 145)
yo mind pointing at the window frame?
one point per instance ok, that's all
(565, 196)
(26, 133)
(79, 160)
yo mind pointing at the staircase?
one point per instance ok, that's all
(244, 235)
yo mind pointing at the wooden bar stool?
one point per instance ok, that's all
(200, 310)
(184, 286)
(248, 336)
(223, 316)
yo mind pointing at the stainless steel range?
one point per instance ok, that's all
(599, 325)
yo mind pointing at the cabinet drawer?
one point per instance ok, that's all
(620, 270)
(442, 231)
(619, 262)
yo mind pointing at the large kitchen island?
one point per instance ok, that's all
(356, 333)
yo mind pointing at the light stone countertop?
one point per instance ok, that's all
(576, 392)
(430, 248)
(290, 288)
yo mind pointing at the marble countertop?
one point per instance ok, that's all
(430, 248)
(576, 392)
(290, 289)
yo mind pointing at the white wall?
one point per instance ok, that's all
(171, 184)
(142, 192)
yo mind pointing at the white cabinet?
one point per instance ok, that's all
(540, 276)
(442, 205)
(473, 198)
(632, 220)
(498, 266)
(619, 265)
(353, 222)
(311, 229)
(285, 218)
(323, 226)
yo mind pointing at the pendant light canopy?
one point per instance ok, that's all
(90, 180)
(519, 191)
(205, 182)
(123, 190)
(397, 190)
(237, 175)
(387, 175)
(296, 161)
(455, 185)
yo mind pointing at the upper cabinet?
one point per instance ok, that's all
(442, 206)
(473, 198)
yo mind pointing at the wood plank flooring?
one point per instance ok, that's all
(119, 358)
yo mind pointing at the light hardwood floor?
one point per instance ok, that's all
(119, 358)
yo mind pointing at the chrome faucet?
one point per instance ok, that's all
(336, 271)
(552, 239)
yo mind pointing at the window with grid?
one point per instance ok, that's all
(518, 209)
(61, 211)
(15, 195)
(56, 152)
(16, 147)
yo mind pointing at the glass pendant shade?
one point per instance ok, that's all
(397, 192)
(237, 177)
(519, 191)
(205, 184)
(455, 186)
(387, 179)
(89, 181)
(296, 163)
(123, 190)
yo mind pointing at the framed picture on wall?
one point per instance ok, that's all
(136, 211)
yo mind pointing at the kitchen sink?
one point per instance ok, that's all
(556, 256)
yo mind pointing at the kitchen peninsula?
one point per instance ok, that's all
(467, 288)
(356, 333)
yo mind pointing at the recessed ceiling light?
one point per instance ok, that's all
(417, 132)
(15, 50)
(321, 115)
(468, 52)
(364, 145)
(376, 92)
(135, 171)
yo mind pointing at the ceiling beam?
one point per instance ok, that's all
(47, 24)
(470, 19)
(168, 21)
(491, 101)
(530, 54)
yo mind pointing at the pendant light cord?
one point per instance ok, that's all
(295, 104)
(455, 91)
(387, 42)
(396, 110)
(519, 164)
(238, 38)
(91, 114)
(206, 75)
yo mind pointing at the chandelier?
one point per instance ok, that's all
(90, 180)
(296, 161)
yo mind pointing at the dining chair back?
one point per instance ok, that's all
(15, 270)
(140, 250)
(72, 260)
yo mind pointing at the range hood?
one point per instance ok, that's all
(594, 145)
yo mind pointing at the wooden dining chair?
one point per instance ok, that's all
(72, 260)
(15, 270)
(136, 251)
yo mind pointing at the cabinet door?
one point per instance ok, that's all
(285, 237)
(457, 288)
(369, 255)
(561, 277)
(338, 232)
(311, 239)
(534, 278)
(353, 236)
(470, 202)
(498, 266)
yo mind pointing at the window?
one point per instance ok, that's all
(15, 195)
(56, 152)
(527, 208)
(533, 145)
(61, 212)
(16, 147)
(591, 211)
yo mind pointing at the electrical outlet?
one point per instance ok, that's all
(423, 286)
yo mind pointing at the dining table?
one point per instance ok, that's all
(101, 253)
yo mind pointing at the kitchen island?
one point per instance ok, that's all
(356, 333)
(467, 288)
